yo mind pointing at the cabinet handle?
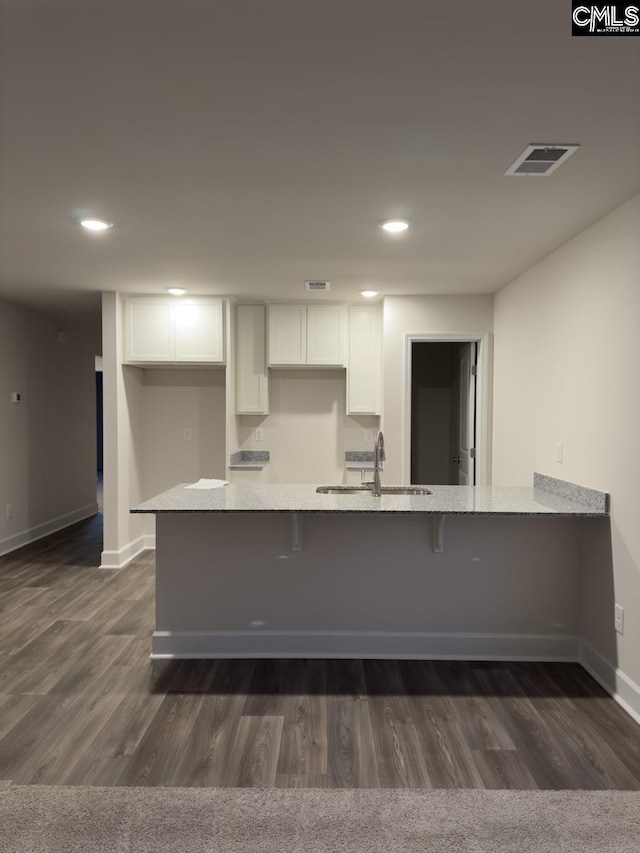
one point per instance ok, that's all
(455, 459)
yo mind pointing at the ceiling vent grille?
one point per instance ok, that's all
(317, 285)
(540, 159)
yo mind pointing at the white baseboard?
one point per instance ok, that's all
(365, 644)
(119, 559)
(623, 689)
(32, 534)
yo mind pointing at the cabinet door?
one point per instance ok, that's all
(148, 325)
(287, 334)
(325, 335)
(199, 331)
(251, 368)
(364, 365)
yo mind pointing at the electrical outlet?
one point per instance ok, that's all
(259, 434)
(559, 452)
(186, 433)
(368, 435)
(618, 619)
(9, 510)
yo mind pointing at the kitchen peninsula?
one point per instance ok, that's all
(282, 571)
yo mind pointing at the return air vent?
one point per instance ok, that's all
(540, 159)
(317, 285)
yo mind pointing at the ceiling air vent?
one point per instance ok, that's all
(317, 285)
(540, 159)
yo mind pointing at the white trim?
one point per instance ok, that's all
(484, 340)
(32, 534)
(363, 644)
(623, 689)
(120, 558)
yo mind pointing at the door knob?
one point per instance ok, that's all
(455, 459)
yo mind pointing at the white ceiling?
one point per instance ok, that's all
(243, 146)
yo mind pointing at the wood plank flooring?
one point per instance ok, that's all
(81, 704)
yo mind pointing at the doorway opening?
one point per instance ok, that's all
(446, 436)
(99, 432)
(443, 413)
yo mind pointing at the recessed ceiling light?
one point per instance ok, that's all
(369, 293)
(394, 226)
(95, 225)
(176, 291)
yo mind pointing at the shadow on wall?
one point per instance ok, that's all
(597, 600)
(60, 408)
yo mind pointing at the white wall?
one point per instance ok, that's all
(48, 458)
(419, 314)
(307, 432)
(567, 354)
(122, 392)
(173, 400)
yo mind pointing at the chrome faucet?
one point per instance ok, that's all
(379, 458)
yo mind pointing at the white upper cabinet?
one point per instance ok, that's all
(198, 330)
(364, 364)
(307, 335)
(326, 334)
(287, 334)
(149, 329)
(252, 387)
(165, 330)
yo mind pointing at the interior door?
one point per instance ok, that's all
(466, 450)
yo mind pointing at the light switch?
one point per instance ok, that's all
(259, 435)
(619, 619)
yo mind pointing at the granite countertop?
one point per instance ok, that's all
(359, 460)
(445, 500)
(249, 460)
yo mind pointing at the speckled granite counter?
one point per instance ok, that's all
(359, 460)
(249, 460)
(445, 500)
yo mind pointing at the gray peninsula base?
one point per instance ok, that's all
(349, 585)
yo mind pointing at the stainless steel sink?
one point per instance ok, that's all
(366, 490)
(406, 490)
(344, 490)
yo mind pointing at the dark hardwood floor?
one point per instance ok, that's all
(80, 703)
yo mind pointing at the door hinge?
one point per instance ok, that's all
(472, 453)
(474, 369)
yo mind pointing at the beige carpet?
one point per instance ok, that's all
(149, 820)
